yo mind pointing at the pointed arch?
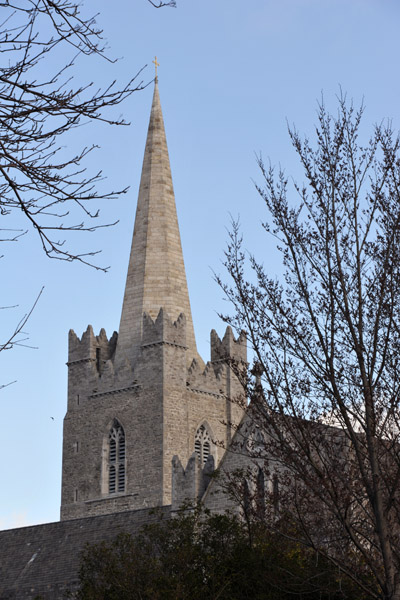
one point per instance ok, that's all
(203, 444)
(114, 460)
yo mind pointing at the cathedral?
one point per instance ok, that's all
(147, 420)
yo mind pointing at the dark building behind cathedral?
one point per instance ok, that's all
(143, 408)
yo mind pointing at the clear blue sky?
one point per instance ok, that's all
(231, 73)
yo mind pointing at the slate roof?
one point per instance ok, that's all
(43, 560)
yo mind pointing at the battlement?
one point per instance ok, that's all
(189, 485)
(163, 329)
(97, 348)
(229, 348)
(209, 379)
(149, 377)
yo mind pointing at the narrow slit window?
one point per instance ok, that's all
(98, 363)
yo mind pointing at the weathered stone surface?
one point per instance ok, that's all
(160, 405)
(149, 376)
(156, 272)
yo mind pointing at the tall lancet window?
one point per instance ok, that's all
(202, 444)
(116, 459)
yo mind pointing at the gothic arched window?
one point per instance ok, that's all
(116, 459)
(202, 444)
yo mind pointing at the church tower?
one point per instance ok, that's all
(144, 399)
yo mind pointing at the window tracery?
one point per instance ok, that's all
(202, 444)
(116, 459)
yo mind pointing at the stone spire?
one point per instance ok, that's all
(156, 272)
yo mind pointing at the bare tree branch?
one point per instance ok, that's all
(327, 340)
(14, 339)
(37, 176)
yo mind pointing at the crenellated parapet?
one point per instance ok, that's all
(90, 365)
(189, 485)
(163, 329)
(229, 357)
(216, 378)
(207, 379)
(229, 348)
(149, 378)
(90, 347)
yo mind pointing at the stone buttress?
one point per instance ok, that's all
(143, 403)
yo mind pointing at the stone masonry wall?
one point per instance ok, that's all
(160, 404)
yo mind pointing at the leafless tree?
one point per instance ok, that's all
(41, 44)
(327, 341)
(39, 104)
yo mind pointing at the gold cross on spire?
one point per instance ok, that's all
(156, 64)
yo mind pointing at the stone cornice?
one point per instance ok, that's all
(110, 497)
(80, 360)
(162, 343)
(116, 391)
(198, 391)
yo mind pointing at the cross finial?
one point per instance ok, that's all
(156, 64)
